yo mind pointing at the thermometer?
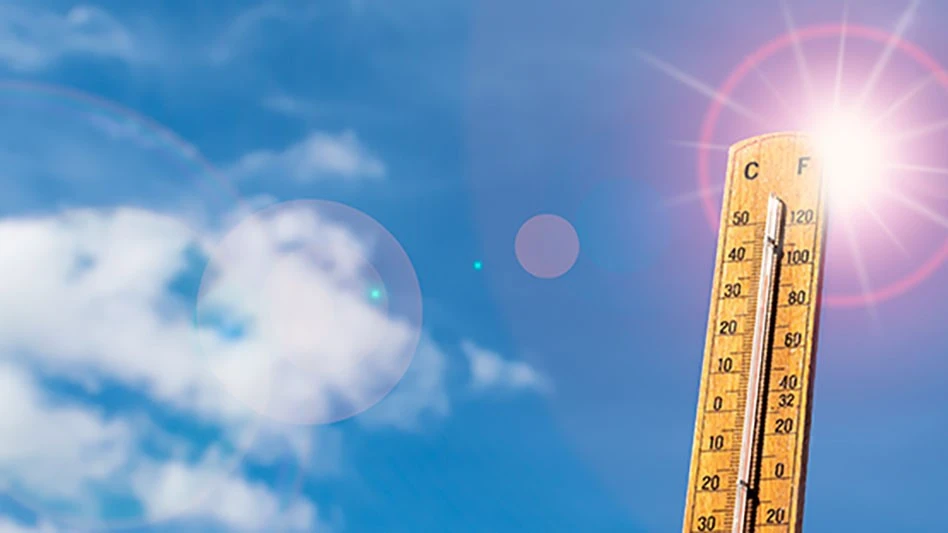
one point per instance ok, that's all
(748, 465)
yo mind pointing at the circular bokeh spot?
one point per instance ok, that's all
(547, 246)
(623, 225)
(309, 312)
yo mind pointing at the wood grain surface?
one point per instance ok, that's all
(787, 165)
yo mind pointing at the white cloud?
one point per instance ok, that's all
(320, 450)
(32, 38)
(319, 156)
(87, 288)
(9, 526)
(240, 33)
(33, 432)
(297, 282)
(421, 393)
(59, 449)
(224, 48)
(490, 371)
(292, 106)
(86, 297)
(288, 105)
(167, 488)
(85, 294)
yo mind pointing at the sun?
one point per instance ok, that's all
(854, 155)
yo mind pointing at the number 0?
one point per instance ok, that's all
(779, 470)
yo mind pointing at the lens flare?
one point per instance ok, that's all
(865, 172)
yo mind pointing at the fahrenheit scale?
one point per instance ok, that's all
(748, 466)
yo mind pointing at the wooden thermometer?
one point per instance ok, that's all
(748, 466)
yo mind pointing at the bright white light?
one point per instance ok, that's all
(853, 157)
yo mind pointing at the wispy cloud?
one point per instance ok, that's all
(242, 30)
(320, 155)
(288, 105)
(9, 526)
(421, 395)
(62, 451)
(33, 38)
(166, 488)
(489, 371)
(36, 454)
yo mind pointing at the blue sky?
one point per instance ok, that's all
(137, 143)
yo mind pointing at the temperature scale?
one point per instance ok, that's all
(748, 466)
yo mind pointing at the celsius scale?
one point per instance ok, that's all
(748, 466)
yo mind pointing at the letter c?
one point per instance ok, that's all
(747, 170)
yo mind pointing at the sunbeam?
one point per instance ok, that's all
(798, 50)
(930, 188)
(918, 87)
(699, 86)
(885, 228)
(928, 129)
(864, 285)
(919, 168)
(837, 87)
(693, 196)
(904, 20)
(918, 208)
(697, 144)
(773, 90)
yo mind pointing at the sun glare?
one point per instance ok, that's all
(854, 158)
(869, 168)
